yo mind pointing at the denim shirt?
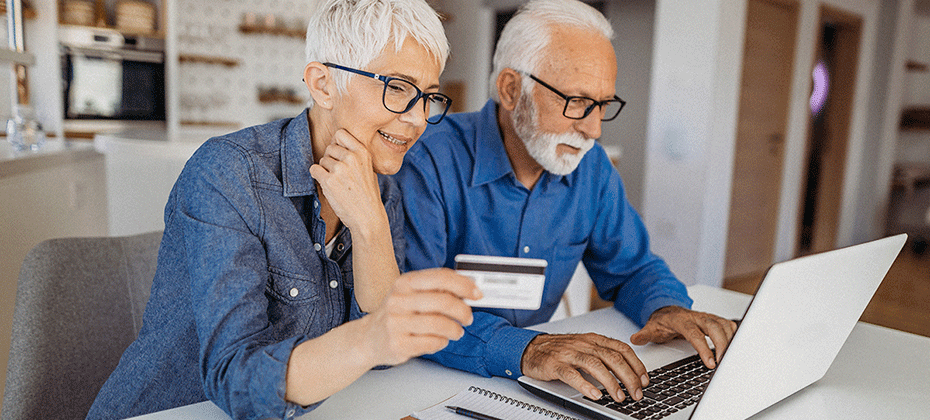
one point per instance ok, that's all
(461, 197)
(242, 278)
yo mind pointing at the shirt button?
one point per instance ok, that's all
(340, 247)
(317, 247)
(508, 372)
(526, 250)
(294, 292)
(316, 204)
(334, 284)
(290, 413)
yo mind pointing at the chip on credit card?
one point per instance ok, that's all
(505, 282)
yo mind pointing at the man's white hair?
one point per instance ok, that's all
(353, 33)
(525, 37)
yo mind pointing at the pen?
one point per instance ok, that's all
(472, 414)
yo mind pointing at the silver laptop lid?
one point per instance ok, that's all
(795, 326)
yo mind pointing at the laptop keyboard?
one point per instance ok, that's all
(671, 388)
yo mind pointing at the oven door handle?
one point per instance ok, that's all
(121, 55)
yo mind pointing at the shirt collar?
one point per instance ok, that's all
(491, 160)
(297, 156)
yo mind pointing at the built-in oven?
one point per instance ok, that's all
(112, 76)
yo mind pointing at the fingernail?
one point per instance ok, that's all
(710, 363)
(644, 379)
(639, 394)
(595, 394)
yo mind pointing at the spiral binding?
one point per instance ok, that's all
(526, 406)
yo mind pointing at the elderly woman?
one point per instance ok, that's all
(280, 237)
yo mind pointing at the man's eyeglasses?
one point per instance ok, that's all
(579, 107)
(400, 96)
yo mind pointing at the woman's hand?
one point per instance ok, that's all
(349, 183)
(423, 311)
(350, 187)
(421, 314)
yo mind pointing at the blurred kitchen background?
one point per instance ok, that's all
(755, 131)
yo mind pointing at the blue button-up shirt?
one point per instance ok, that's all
(462, 197)
(242, 278)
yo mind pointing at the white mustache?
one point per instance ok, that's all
(575, 140)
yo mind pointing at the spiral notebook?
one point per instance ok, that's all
(491, 403)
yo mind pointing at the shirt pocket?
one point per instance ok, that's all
(294, 302)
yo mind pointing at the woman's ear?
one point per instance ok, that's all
(320, 84)
(509, 88)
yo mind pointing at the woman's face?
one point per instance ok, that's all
(361, 112)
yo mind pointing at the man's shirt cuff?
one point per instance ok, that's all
(505, 351)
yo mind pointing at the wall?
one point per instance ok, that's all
(633, 22)
(210, 98)
(692, 128)
(40, 41)
(692, 125)
(470, 33)
(888, 91)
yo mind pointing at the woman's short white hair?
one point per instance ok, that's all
(525, 37)
(353, 33)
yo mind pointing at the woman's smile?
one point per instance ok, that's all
(392, 139)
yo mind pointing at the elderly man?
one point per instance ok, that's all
(524, 177)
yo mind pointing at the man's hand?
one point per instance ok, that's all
(562, 356)
(674, 321)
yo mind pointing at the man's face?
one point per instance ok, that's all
(545, 147)
(579, 63)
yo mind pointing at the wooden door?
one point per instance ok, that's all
(768, 59)
(829, 132)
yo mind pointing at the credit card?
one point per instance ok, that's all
(505, 282)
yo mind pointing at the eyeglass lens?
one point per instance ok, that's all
(579, 108)
(400, 96)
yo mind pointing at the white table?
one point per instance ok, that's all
(879, 374)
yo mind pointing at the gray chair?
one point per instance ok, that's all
(79, 304)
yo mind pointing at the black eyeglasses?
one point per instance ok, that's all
(400, 95)
(579, 107)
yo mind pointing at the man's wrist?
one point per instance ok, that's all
(506, 349)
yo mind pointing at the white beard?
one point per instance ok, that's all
(543, 146)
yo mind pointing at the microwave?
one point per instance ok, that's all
(107, 75)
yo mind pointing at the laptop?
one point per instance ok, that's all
(794, 327)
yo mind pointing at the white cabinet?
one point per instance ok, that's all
(141, 170)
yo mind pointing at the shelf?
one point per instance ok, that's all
(279, 31)
(10, 56)
(916, 66)
(154, 35)
(915, 119)
(219, 124)
(28, 11)
(206, 59)
(292, 100)
(909, 176)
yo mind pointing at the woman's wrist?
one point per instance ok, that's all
(371, 229)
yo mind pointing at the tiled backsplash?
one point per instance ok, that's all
(234, 50)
